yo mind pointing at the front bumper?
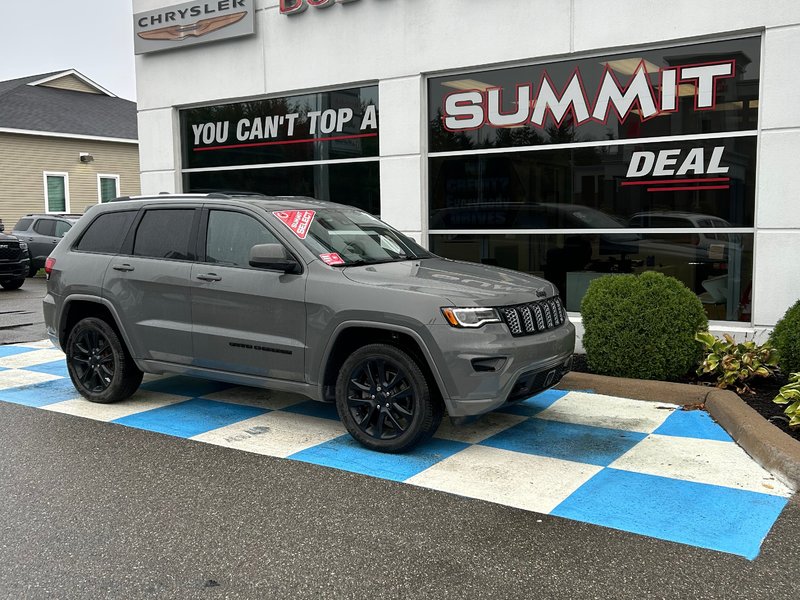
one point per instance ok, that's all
(484, 369)
(15, 270)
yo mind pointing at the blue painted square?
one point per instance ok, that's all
(186, 386)
(312, 408)
(41, 394)
(728, 520)
(535, 404)
(348, 455)
(190, 418)
(56, 367)
(567, 441)
(12, 350)
(693, 424)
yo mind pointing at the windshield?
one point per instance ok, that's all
(349, 237)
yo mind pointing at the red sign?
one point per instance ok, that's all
(297, 220)
(331, 258)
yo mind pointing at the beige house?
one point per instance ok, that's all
(65, 143)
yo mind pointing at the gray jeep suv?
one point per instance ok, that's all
(299, 295)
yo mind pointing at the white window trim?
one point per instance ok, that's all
(47, 174)
(100, 190)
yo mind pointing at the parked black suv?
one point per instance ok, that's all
(41, 232)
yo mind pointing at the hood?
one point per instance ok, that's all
(462, 283)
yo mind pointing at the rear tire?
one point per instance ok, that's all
(13, 284)
(384, 400)
(99, 364)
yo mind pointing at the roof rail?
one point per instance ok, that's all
(120, 199)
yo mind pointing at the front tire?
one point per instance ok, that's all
(13, 284)
(99, 365)
(384, 400)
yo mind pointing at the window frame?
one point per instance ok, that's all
(101, 176)
(65, 176)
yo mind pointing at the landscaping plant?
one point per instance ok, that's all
(641, 326)
(790, 394)
(735, 364)
(786, 339)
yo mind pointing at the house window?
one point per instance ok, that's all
(107, 187)
(56, 192)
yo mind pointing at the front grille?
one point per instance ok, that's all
(534, 317)
(10, 251)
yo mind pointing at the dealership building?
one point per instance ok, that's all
(567, 139)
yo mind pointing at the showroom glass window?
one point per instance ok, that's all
(323, 145)
(613, 164)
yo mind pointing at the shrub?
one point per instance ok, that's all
(790, 394)
(786, 339)
(735, 364)
(641, 326)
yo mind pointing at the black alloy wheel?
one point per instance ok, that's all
(99, 365)
(384, 399)
(380, 398)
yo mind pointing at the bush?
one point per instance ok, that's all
(641, 326)
(786, 339)
(790, 394)
(735, 364)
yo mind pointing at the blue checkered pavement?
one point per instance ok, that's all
(615, 462)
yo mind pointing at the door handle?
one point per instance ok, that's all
(124, 267)
(209, 277)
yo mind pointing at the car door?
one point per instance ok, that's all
(148, 283)
(42, 240)
(246, 320)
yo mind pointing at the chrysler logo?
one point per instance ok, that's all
(199, 28)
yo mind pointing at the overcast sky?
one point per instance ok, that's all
(94, 37)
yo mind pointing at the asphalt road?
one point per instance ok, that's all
(21, 317)
(96, 510)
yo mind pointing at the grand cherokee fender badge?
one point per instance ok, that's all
(199, 28)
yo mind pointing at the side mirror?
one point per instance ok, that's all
(273, 257)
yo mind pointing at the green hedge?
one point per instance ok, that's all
(641, 326)
(785, 339)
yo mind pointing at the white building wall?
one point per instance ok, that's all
(398, 42)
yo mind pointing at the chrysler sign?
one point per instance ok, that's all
(192, 23)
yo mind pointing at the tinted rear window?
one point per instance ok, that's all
(23, 224)
(164, 233)
(106, 233)
(45, 227)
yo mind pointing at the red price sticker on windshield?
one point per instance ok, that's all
(331, 258)
(297, 220)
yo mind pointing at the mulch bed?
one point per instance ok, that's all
(764, 390)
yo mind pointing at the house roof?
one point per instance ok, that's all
(33, 104)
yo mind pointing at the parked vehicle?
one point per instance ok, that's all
(42, 232)
(14, 262)
(299, 295)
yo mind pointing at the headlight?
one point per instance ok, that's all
(470, 317)
(23, 246)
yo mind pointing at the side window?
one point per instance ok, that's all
(62, 227)
(45, 227)
(23, 224)
(231, 235)
(164, 233)
(56, 192)
(106, 233)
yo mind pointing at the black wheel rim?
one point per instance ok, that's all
(381, 399)
(92, 359)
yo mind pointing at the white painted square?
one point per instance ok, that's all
(525, 481)
(477, 431)
(29, 359)
(18, 378)
(611, 412)
(275, 433)
(704, 461)
(253, 396)
(141, 401)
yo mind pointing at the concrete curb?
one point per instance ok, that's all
(770, 447)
